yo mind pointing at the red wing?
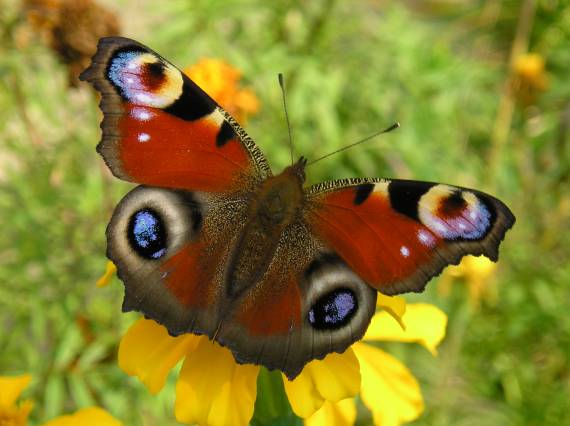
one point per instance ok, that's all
(161, 129)
(397, 234)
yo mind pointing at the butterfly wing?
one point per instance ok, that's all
(170, 248)
(397, 235)
(161, 129)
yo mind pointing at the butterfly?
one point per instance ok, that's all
(212, 242)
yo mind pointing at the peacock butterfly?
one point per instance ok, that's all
(213, 243)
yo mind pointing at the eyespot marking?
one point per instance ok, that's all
(147, 234)
(454, 213)
(333, 310)
(144, 79)
(154, 74)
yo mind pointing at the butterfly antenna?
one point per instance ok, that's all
(387, 130)
(282, 84)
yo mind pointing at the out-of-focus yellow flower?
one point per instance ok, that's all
(388, 387)
(530, 78)
(226, 394)
(477, 272)
(221, 81)
(12, 414)
(92, 416)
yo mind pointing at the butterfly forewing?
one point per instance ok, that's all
(161, 129)
(399, 234)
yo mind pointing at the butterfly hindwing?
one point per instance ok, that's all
(161, 129)
(171, 249)
(399, 234)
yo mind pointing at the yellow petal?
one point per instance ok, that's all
(302, 394)
(481, 266)
(105, 279)
(16, 415)
(213, 389)
(394, 305)
(334, 378)
(11, 388)
(388, 388)
(425, 324)
(92, 416)
(149, 352)
(342, 413)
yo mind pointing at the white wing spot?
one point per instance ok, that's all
(425, 238)
(473, 214)
(143, 137)
(141, 114)
(405, 251)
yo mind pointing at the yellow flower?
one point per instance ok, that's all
(12, 414)
(388, 388)
(477, 272)
(225, 395)
(529, 78)
(220, 80)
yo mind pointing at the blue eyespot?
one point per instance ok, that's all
(333, 310)
(147, 234)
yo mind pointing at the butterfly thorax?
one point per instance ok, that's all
(274, 206)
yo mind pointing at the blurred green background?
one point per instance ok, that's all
(481, 88)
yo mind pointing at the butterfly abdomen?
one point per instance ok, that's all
(274, 207)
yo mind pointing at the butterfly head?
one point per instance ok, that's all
(297, 169)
